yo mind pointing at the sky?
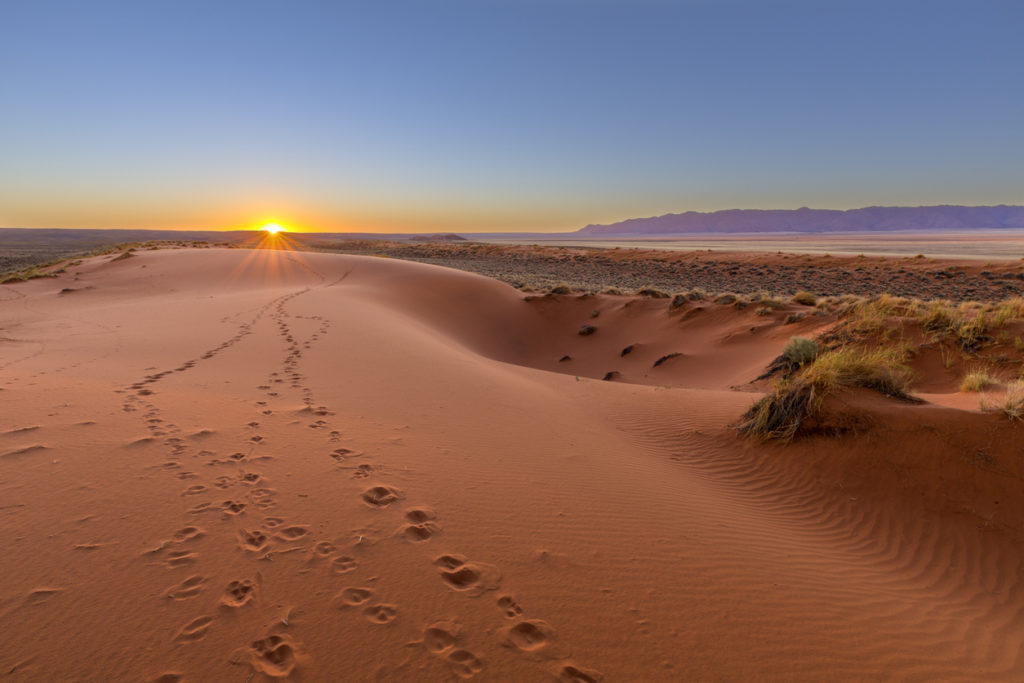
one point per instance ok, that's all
(500, 115)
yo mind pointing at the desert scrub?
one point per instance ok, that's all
(697, 294)
(800, 350)
(937, 316)
(652, 293)
(976, 381)
(560, 289)
(1007, 311)
(1010, 404)
(780, 414)
(971, 331)
(805, 298)
(880, 369)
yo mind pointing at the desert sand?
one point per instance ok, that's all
(237, 465)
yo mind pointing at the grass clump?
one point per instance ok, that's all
(805, 298)
(971, 331)
(560, 289)
(780, 414)
(1010, 404)
(879, 369)
(652, 293)
(800, 350)
(976, 381)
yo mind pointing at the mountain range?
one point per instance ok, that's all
(868, 219)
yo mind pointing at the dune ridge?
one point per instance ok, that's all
(276, 465)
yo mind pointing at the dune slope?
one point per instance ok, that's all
(246, 465)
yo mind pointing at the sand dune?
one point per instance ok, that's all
(224, 465)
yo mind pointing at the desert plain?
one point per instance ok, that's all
(252, 464)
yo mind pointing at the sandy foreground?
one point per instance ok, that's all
(234, 465)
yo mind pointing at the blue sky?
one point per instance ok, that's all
(500, 115)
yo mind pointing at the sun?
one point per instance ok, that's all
(272, 228)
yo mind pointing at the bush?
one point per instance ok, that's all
(1010, 404)
(805, 298)
(976, 381)
(560, 289)
(779, 414)
(651, 292)
(800, 350)
(878, 369)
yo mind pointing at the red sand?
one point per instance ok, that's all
(232, 465)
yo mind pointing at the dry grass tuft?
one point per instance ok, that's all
(805, 298)
(779, 414)
(1010, 404)
(976, 381)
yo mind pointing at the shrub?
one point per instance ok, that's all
(1010, 404)
(800, 350)
(725, 298)
(976, 381)
(696, 294)
(937, 317)
(560, 289)
(878, 369)
(652, 293)
(971, 331)
(805, 298)
(779, 414)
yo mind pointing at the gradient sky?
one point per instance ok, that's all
(492, 115)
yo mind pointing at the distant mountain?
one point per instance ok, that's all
(872, 218)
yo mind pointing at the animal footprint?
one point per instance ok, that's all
(472, 578)
(380, 496)
(342, 454)
(420, 527)
(509, 606)
(194, 630)
(276, 656)
(193, 490)
(577, 674)
(362, 471)
(180, 558)
(352, 597)
(324, 549)
(238, 593)
(530, 636)
(187, 534)
(465, 664)
(189, 588)
(381, 614)
(252, 540)
(232, 507)
(440, 637)
(344, 564)
(292, 533)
